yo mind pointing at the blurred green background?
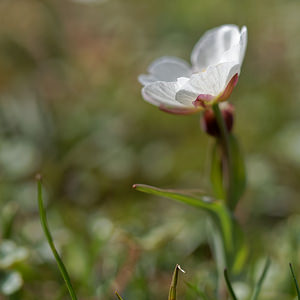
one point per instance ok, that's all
(70, 108)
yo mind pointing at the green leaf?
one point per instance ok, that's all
(238, 180)
(10, 282)
(216, 209)
(232, 237)
(295, 281)
(45, 227)
(172, 290)
(202, 202)
(230, 289)
(261, 280)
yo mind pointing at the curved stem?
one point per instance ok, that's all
(45, 226)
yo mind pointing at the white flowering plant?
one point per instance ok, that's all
(204, 87)
(178, 88)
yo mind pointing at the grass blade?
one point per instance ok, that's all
(172, 290)
(261, 280)
(45, 227)
(295, 281)
(231, 291)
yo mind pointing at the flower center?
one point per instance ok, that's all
(203, 100)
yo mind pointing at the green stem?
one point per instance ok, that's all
(227, 150)
(229, 286)
(45, 227)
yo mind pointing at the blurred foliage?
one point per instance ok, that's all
(70, 108)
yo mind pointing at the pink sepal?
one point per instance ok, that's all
(180, 111)
(229, 88)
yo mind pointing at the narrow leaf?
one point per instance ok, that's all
(231, 291)
(295, 281)
(45, 227)
(231, 234)
(258, 286)
(216, 209)
(200, 202)
(172, 290)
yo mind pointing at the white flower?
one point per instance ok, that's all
(176, 87)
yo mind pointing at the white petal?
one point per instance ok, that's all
(161, 93)
(210, 48)
(236, 52)
(232, 54)
(181, 81)
(187, 96)
(145, 79)
(212, 82)
(166, 68)
(243, 43)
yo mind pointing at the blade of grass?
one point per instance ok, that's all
(172, 290)
(295, 281)
(45, 227)
(231, 291)
(261, 280)
(118, 296)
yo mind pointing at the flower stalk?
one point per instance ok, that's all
(227, 159)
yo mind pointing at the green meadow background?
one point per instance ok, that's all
(71, 109)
